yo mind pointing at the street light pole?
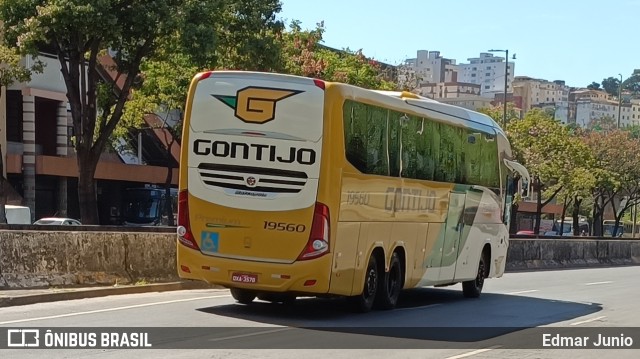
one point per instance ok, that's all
(619, 100)
(506, 77)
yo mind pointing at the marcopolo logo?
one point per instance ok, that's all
(256, 104)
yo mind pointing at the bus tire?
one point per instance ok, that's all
(390, 285)
(243, 296)
(473, 288)
(364, 302)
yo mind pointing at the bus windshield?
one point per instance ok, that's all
(147, 206)
(142, 206)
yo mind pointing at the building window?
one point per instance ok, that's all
(487, 87)
(488, 67)
(473, 75)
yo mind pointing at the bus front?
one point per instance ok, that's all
(249, 214)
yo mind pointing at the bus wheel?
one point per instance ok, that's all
(364, 302)
(390, 285)
(473, 288)
(243, 296)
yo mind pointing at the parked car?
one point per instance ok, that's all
(58, 221)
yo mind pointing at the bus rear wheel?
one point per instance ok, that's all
(243, 296)
(473, 288)
(364, 302)
(391, 285)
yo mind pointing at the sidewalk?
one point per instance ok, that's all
(14, 297)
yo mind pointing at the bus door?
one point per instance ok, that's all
(454, 225)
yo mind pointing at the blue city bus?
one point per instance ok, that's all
(145, 206)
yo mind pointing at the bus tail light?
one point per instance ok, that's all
(318, 244)
(185, 236)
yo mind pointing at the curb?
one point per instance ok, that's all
(101, 292)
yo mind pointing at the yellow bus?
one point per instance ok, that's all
(291, 186)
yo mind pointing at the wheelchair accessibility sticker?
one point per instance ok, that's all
(209, 242)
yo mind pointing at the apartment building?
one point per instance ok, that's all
(488, 71)
(587, 106)
(428, 67)
(635, 112)
(40, 162)
(443, 90)
(549, 95)
(456, 93)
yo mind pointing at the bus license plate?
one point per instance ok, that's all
(244, 278)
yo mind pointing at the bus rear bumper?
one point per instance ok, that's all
(302, 277)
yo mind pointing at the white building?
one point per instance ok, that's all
(428, 67)
(489, 72)
(449, 90)
(593, 105)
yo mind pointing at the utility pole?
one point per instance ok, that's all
(506, 84)
(619, 100)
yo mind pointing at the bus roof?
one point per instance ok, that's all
(441, 112)
(472, 117)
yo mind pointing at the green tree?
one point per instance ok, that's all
(249, 36)
(79, 32)
(548, 151)
(497, 113)
(611, 85)
(303, 55)
(594, 86)
(634, 131)
(617, 172)
(604, 123)
(11, 70)
(632, 84)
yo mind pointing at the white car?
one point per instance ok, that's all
(58, 221)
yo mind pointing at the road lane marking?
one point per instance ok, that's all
(588, 320)
(474, 352)
(523, 292)
(113, 309)
(250, 334)
(420, 307)
(596, 283)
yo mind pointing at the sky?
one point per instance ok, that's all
(578, 41)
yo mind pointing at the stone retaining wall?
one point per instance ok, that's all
(30, 259)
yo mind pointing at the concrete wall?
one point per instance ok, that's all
(527, 254)
(49, 258)
(46, 257)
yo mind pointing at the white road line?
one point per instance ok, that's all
(113, 309)
(474, 352)
(523, 292)
(421, 307)
(596, 283)
(249, 334)
(588, 320)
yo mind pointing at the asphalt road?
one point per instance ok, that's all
(587, 299)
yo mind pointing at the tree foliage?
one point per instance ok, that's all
(594, 86)
(80, 33)
(304, 55)
(11, 70)
(617, 172)
(497, 113)
(549, 152)
(611, 85)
